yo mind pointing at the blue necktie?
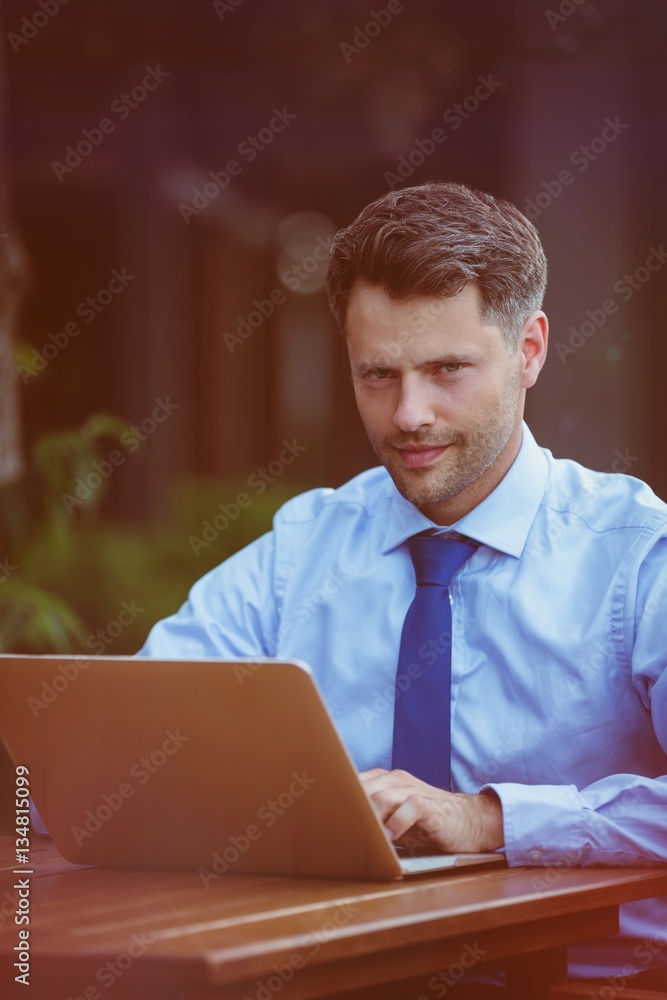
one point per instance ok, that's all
(422, 723)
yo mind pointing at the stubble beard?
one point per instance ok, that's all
(471, 453)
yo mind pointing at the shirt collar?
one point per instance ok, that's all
(502, 520)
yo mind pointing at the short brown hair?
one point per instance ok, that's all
(431, 240)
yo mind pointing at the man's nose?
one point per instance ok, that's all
(414, 408)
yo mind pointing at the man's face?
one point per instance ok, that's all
(440, 394)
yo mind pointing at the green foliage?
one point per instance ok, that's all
(76, 571)
(31, 618)
(60, 459)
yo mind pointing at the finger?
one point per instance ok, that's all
(385, 803)
(375, 772)
(380, 780)
(407, 780)
(407, 815)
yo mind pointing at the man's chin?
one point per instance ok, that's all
(420, 486)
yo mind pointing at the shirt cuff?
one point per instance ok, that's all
(543, 824)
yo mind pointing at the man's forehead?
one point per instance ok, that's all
(382, 329)
(373, 302)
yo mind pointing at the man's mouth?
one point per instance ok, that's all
(415, 456)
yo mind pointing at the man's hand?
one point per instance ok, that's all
(443, 821)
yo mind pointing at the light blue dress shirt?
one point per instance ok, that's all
(559, 654)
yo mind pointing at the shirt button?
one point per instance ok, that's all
(535, 855)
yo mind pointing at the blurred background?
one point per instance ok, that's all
(171, 176)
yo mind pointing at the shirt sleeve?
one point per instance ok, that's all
(620, 819)
(231, 611)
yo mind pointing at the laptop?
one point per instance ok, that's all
(209, 765)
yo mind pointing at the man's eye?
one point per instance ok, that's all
(455, 366)
(379, 373)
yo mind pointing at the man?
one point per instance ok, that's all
(552, 643)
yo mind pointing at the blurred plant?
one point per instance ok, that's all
(34, 521)
(68, 575)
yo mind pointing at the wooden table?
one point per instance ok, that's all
(165, 936)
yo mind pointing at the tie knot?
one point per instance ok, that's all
(436, 559)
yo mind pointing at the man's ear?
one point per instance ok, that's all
(533, 342)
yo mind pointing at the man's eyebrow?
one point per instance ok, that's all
(451, 358)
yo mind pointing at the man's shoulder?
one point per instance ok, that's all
(362, 495)
(605, 500)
